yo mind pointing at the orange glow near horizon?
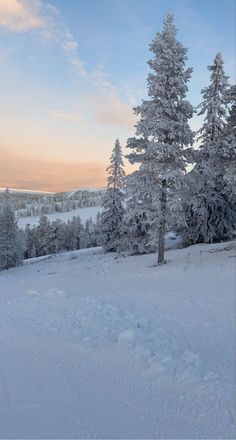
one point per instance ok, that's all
(24, 172)
(19, 171)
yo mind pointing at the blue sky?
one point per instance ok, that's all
(71, 70)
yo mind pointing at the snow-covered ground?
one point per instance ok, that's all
(84, 214)
(95, 345)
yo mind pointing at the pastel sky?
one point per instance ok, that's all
(71, 71)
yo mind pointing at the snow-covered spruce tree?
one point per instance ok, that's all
(112, 216)
(43, 234)
(89, 239)
(28, 240)
(162, 137)
(230, 137)
(138, 226)
(97, 229)
(77, 233)
(32, 241)
(56, 237)
(210, 215)
(11, 238)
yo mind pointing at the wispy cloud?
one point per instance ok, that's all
(57, 33)
(60, 114)
(21, 15)
(45, 19)
(111, 110)
(47, 22)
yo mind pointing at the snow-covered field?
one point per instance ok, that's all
(84, 214)
(95, 345)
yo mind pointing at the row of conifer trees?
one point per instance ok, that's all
(200, 205)
(42, 239)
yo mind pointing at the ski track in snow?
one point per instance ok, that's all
(98, 346)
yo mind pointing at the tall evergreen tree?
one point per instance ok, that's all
(88, 233)
(162, 136)
(43, 236)
(112, 216)
(77, 233)
(32, 241)
(56, 237)
(230, 136)
(210, 216)
(11, 239)
(138, 225)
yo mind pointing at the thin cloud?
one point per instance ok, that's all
(57, 33)
(35, 15)
(111, 110)
(21, 15)
(60, 114)
(46, 21)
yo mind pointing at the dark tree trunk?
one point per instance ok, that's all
(162, 227)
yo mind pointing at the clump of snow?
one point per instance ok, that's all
(127, 336)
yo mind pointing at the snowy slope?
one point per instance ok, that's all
(84, 214)
(73, 193)
(26, 191)
(94, 345)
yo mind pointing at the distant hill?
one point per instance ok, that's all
(29, 203)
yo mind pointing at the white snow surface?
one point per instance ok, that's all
(84, 214)
(95, 345)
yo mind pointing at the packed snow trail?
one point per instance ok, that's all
(98, 346)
